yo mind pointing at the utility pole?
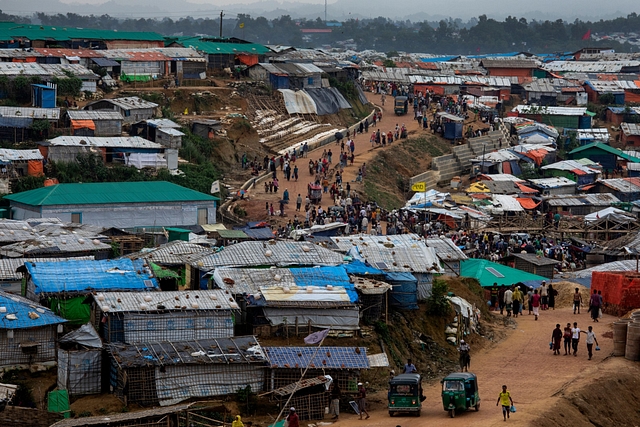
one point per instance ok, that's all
(221, 15)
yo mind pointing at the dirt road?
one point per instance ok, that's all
(364, 152)
(523, 362)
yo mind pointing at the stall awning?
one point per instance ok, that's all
(527, 203)
(83, 124)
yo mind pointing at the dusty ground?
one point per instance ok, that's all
(537, 379)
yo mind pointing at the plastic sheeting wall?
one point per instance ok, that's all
(144, 160)
(298, 102)
(345, 319)
(176, 326)
(425, 282)
(179, 383)
(80, 372)
(328, 100)
(404, 291)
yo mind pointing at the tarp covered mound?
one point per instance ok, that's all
(361, 96)
(298, 102)
(328, 100)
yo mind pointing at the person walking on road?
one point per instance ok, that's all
(556, 338)
(362, 400)
(575, 338)
(465, 358)
(508, 301)
(336, 394)
(535, 303)
(517, 301)
(577, 301)
(594, 305)
(410, 368)
(567, 339)
(591, 338)
(505, 400)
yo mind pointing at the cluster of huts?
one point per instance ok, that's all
(184, 320)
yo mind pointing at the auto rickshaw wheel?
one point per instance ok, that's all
(477, 407)
(391, 413)
(418, 413)
(452, 413)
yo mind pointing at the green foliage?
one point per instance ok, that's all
(40, 126)
(388, 63)
(239, 211)
(68, 86)
(85, 414)
(392, 54)
(101, 71)
(607, 99)
(345, 87)
(194, 148)
(115, 249)
(155, 97)
(26, 183)
(382, 330)
(247, 399)
(438, 304)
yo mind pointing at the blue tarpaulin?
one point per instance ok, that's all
(323, 276)
(404, 291)
(82, 276)
(361, 268)
(21, 307)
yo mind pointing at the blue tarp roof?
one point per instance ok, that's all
(264, 233)
(21, 307)
(323, 276)
(105, 62)
(439, 59)
(359, 267)
(390, 276)
(81, 276)
(326, 357)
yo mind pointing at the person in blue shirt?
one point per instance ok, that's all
(410, 368)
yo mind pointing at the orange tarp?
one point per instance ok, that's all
(81, 124)
(34, 168)
(523, 188)
(51, 181)
(537, 155)
(527, 203)
(248, 60)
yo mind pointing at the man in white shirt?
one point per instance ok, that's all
(575, 338)
(591, 338)
(508, 301)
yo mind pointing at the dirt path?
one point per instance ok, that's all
(523, 362)
(363, 154)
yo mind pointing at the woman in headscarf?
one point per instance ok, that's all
(237, 422)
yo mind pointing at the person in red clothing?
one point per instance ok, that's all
(535, 303)
(292, 418)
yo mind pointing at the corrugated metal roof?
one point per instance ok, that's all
(163, 123)
(62, 53)
(324, 358)
(630, 128)
(570, 165)
(127, 103)
(118, 302)
(94, 115)
(46, 71)
(274, 295)
(109, 193)
(589, 67)
(171, 131)
(553, 111)
(594, 199)
(509, 63)
(445, 249)
(9, 155)
(172, 253)
(135, 55)
(34, 113)
(506, 203)
(85, 276)
(17, 312)
(227, 351)
(554, 182)
(118, 418)
(624, 265)
(222, 47)
(8, 266)
(42, 245)
(277, 253)
(623, 185)
(11, 30)
(600, 134)
(605, 86)
(103, 141)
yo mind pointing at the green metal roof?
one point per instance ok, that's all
(11, 31)
(483, 271)
(232, 234)
(605, 147)
(108, 193)
(210, 47)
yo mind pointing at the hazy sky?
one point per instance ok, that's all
(337, 9)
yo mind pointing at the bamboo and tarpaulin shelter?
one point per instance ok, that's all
(135, 317)
(373, 298)
(192, 414)
(80, 362)
(28, 332)
(310, 396)
(343, 364)
(166, 373)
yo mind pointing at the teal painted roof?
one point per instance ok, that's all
(482, 270)
(107, 193)
(605, 147)
(215, 47)
(11, 31)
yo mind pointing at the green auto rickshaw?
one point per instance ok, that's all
(460, 392)
(401, 105)
(405, 394)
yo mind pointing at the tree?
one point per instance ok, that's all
(388, 63)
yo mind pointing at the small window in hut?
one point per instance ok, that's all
(76, 218)
(29, 347)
